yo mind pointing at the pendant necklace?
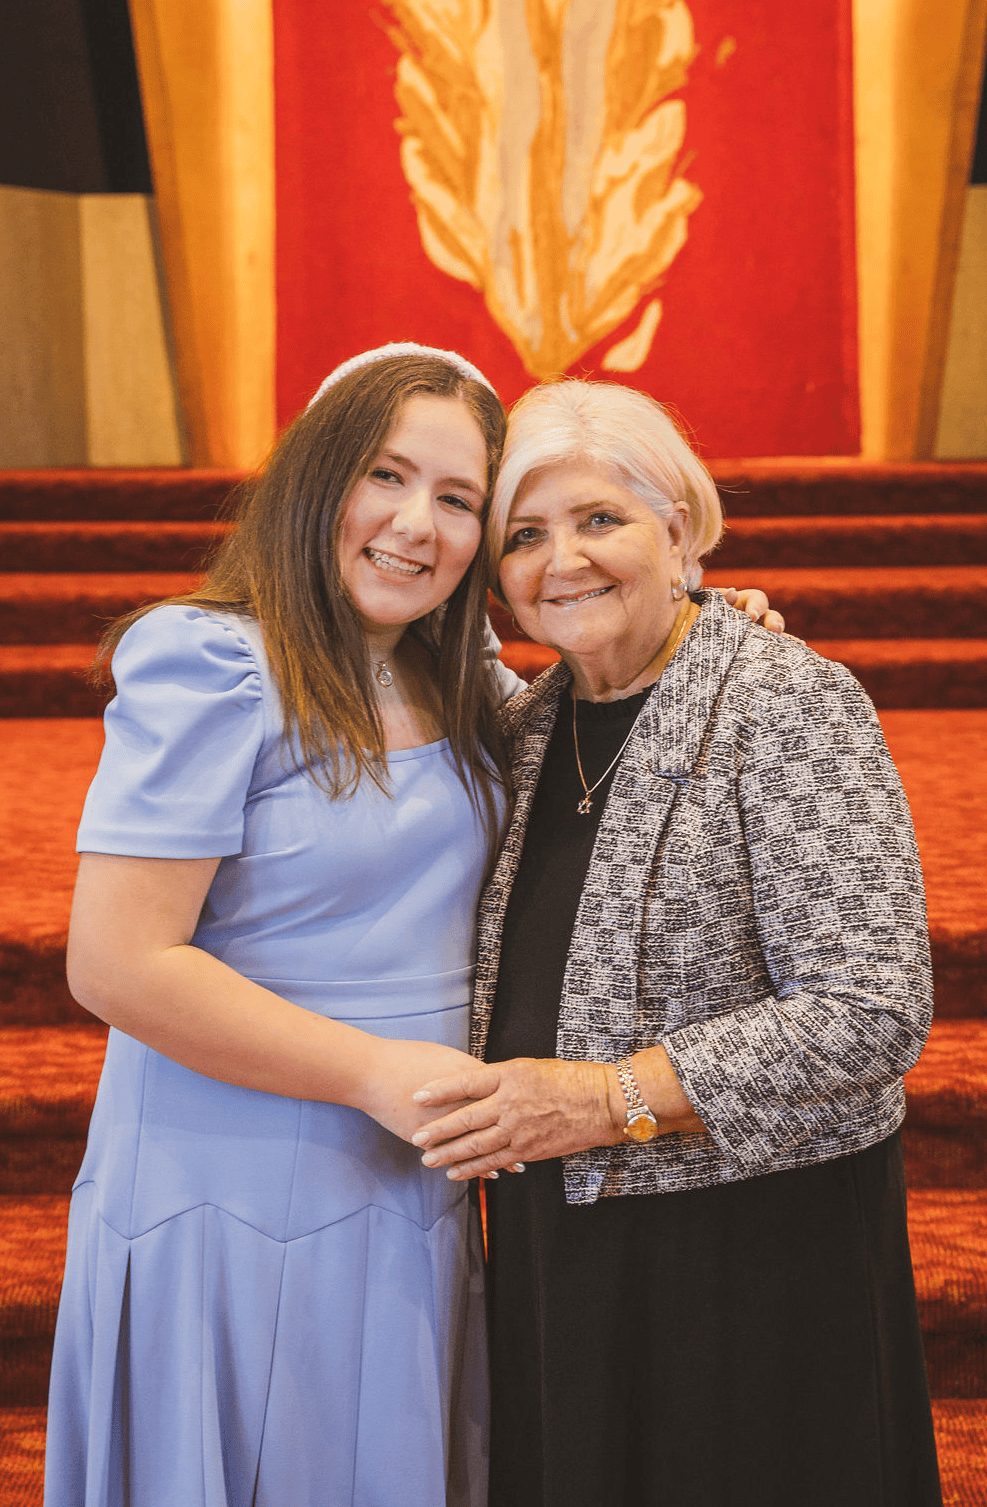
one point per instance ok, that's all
(382, 673)
(585, 806)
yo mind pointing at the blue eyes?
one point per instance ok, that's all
(598, 522)
(522, 537)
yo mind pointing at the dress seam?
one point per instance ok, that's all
(272, 1239)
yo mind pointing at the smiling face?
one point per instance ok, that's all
(412, 525)
(588, 569)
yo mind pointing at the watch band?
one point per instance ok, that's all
(641, 1125)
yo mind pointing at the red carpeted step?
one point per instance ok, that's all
(897, 539)
(48, 1080)
(59, 609)
(103, 547)
(165, 492)
(49, 680)
(22, 1456)
(947, 1228)
(914, 672)
(45, 770)
(32, 1257)
(940, 756)
(790, 487)
(943, 601)
(945, 1134)
(961, 1439)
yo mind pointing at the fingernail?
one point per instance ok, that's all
(420, 1138)
(422, 1097)
(429, 1159)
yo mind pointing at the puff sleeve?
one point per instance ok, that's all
(182, 738)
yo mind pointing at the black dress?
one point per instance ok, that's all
(752, 1343)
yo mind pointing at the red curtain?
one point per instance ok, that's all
(756, 346)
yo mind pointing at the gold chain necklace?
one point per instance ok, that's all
(585, 806)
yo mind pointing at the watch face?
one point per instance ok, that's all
(641, 1128)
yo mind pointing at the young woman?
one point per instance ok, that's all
(266, 1299)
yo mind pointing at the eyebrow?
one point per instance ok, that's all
(582, 507)
(448, 481)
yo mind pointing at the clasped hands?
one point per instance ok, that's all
(527, 1109)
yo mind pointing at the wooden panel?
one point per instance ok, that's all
(917, 68)
(206, 73)
(131, 396)
(42, 415)
(963, 414)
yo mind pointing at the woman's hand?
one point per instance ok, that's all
(755, 604)
(527, 1109)
(396, 1070)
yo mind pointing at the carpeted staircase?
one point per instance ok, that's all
(884, 568)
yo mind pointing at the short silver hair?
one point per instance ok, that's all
(628, 436)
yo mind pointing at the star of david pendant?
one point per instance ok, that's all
(585, 806)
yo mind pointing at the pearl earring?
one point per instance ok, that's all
(679, 589)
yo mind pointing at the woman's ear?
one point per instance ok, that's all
(677, 524)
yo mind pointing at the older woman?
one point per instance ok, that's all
(703, 972)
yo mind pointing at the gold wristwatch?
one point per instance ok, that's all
(641, 1123)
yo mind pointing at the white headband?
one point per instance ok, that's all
(404, 348)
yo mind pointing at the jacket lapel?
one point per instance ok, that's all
(599, 996)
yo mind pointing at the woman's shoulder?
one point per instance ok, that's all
(183, 628)
(783, 696)
(187, 737)
(788, 669)
(541, 696)
(198, 665)
(195, 647)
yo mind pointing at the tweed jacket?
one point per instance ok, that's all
(754, 903)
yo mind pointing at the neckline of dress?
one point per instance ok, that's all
(417, 751)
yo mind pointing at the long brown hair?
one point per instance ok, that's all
(280, 565)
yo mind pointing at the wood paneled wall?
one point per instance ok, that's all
(206, 71)
(87, 365)
(918, 67)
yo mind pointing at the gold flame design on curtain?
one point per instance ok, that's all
(541, 150)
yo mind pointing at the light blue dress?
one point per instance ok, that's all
(270, 1301)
